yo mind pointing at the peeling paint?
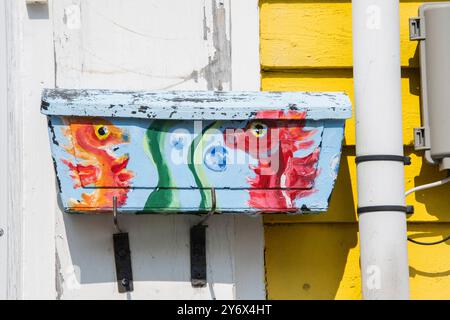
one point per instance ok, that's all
(206, 29)
(334, 164)
(72, 17)
(59, 279)
(217, 72)
(194, 105)
(51, 128)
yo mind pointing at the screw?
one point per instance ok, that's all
(2, 232)
(125, 282)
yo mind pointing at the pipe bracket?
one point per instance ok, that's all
(383, 157)
(382, 208)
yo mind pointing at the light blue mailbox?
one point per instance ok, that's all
(194, 151)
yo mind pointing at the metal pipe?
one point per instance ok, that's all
(376, 68)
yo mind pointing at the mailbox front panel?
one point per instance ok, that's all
(275, 161)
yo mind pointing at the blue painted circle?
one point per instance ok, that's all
(216, 158)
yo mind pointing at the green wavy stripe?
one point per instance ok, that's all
(196, 167)
(154, 144)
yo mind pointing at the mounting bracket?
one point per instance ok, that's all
(122, 255)
(416, 29)
(198, 256)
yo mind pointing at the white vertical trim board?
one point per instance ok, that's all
(13, 152)
(39, 190)
(3, 154)
(29, 179)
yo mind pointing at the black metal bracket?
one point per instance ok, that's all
(198, 247)
(122, 256)
(382, 208)
(384, 157)
(198, 256)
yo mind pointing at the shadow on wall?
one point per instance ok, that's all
(343, 201)
(435, 203)
(310, 260)
(307, 260)
(38, 11)
(430, 261)
(160, 252)
(157, 255)
(413, 74)
(413, 272)
(429, 265)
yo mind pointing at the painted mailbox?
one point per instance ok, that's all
(180, 151)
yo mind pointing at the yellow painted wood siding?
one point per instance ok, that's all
(318, 34)
(306, 45)
(321, 261)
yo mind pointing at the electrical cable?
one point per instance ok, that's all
(429, 243)
(428, 186)
(423, 187)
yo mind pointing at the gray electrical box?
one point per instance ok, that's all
(432, 29)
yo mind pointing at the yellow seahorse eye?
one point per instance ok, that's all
(101, 132)
(258, 129)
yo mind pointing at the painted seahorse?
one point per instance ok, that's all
(93, 141)
(269, 140)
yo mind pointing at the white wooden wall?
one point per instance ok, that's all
(3, 155)
(124, 44)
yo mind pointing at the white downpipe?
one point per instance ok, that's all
(376, 63)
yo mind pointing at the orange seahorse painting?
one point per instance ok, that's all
(93, 142)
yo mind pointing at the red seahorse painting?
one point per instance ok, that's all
(93, 142)
(280, 178)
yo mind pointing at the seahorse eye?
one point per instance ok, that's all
(101, 132)
(258, 129)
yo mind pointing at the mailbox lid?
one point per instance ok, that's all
(195, 105)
